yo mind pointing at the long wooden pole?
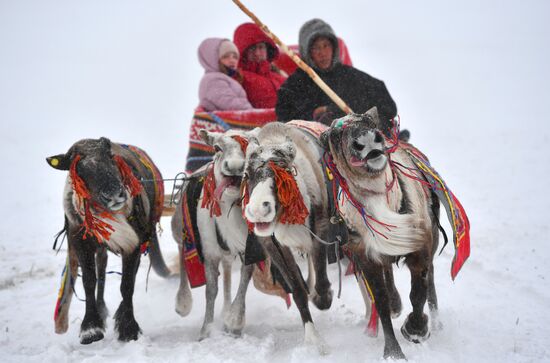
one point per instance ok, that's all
(314, 76)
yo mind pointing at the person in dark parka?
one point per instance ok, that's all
(300, 98)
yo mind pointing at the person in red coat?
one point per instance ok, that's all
(261, 79)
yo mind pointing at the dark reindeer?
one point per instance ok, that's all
(389, 214)
(109, 207)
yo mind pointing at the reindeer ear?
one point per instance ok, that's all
(324, 139)
(253, 133)
(372, 114)
(105, 143)
(253, 144)
(207, 137)
(289, 149)
(59, 162)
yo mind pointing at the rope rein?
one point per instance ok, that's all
(336, 244)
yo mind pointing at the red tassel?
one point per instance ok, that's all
(288, 301)
(288, 194)
(372, 326)
(242, 141)
(208, 199)
(245, 200)
(92, 225)
(95, 227)
(78, 184)
(128, 178)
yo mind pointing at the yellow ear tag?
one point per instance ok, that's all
(54, 162)
(329, 174)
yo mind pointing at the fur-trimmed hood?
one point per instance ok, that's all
(309, 32)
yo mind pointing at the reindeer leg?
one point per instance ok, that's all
(374, 274)
(226, 276)
(322, 296)
(184, 299)
(101, 262)
(415, 327)
(436, 323)
(284, 260)
(432, 295)
(125, 322)
(432, 302)
(395, 300)
(211, 268)
(234, 321)
(92, 327)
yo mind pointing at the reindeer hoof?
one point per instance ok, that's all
(184, 302)
(394, 352)
(205, 332)
(91, 335)
(416, 333)
(322, 301)
(91, 329)
(236, 332)
(126, 325)
(128, 331)
(233, 322)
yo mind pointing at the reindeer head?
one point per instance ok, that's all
(97, 172)
(229, 160)
(273, 194)
(357, 144)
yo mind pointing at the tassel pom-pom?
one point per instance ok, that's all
(128, 178)
(208, 199)
(288, 194)
(242, 142)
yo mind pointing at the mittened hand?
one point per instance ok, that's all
(323, 115)
(318, 112)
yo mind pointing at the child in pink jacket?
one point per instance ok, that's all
(219, 89)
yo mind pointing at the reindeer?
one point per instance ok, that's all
(389, 215)
(113, 199)
(222, 229)
(285, 199)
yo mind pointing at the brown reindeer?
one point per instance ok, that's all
(113, 200)
(389, 215)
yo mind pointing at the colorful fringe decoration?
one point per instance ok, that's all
(344, 189)
(209, 199)
(431, 179)
(455, 212)
(288, 194)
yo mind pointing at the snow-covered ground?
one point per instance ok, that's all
(470, 80)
